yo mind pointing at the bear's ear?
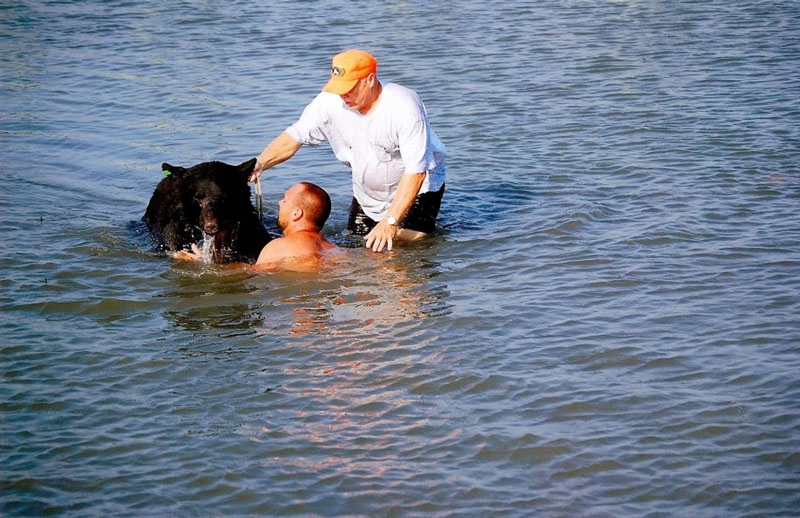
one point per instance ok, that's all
(245, 168)
(169, 169)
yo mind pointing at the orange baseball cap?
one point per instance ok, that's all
(348, 68)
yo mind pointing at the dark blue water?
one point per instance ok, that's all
(605, 325)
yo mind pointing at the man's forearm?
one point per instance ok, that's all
(407, 191)
(279, 150)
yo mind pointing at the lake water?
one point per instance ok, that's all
(607, 323)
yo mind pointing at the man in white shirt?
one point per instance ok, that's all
(383, 135)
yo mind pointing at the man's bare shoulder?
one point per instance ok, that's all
(310, 263)
(274, 250)
(297, 252)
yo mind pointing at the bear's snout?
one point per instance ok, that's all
(208, 218)
(210, 227)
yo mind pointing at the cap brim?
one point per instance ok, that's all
(339, 86)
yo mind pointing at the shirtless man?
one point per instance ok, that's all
(301, 214)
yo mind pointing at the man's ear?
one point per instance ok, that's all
(297, 214)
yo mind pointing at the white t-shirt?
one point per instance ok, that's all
(396, 138)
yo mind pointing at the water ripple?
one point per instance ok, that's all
(605, 324)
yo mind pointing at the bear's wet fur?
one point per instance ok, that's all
(207, 199)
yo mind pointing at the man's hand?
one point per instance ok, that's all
(257, 170)
(279, 150)
(381, 236)
(194, 255)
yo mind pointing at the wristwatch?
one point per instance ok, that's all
(391, 220)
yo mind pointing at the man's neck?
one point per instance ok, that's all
(309, 229)
(376, 97)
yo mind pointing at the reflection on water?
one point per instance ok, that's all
(363, 293)
(233, 318)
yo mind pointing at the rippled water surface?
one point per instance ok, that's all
(605, 325)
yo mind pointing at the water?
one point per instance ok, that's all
(606, 325)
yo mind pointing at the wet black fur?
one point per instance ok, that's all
(211, 196)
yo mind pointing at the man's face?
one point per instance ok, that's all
(286, 206)
(359, 98)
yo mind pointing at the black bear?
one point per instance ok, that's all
(212, 201)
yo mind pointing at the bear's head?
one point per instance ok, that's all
(212, 201)
(214, 195)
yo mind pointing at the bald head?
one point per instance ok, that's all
(315, 203)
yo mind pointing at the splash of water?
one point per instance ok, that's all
(207, 248)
